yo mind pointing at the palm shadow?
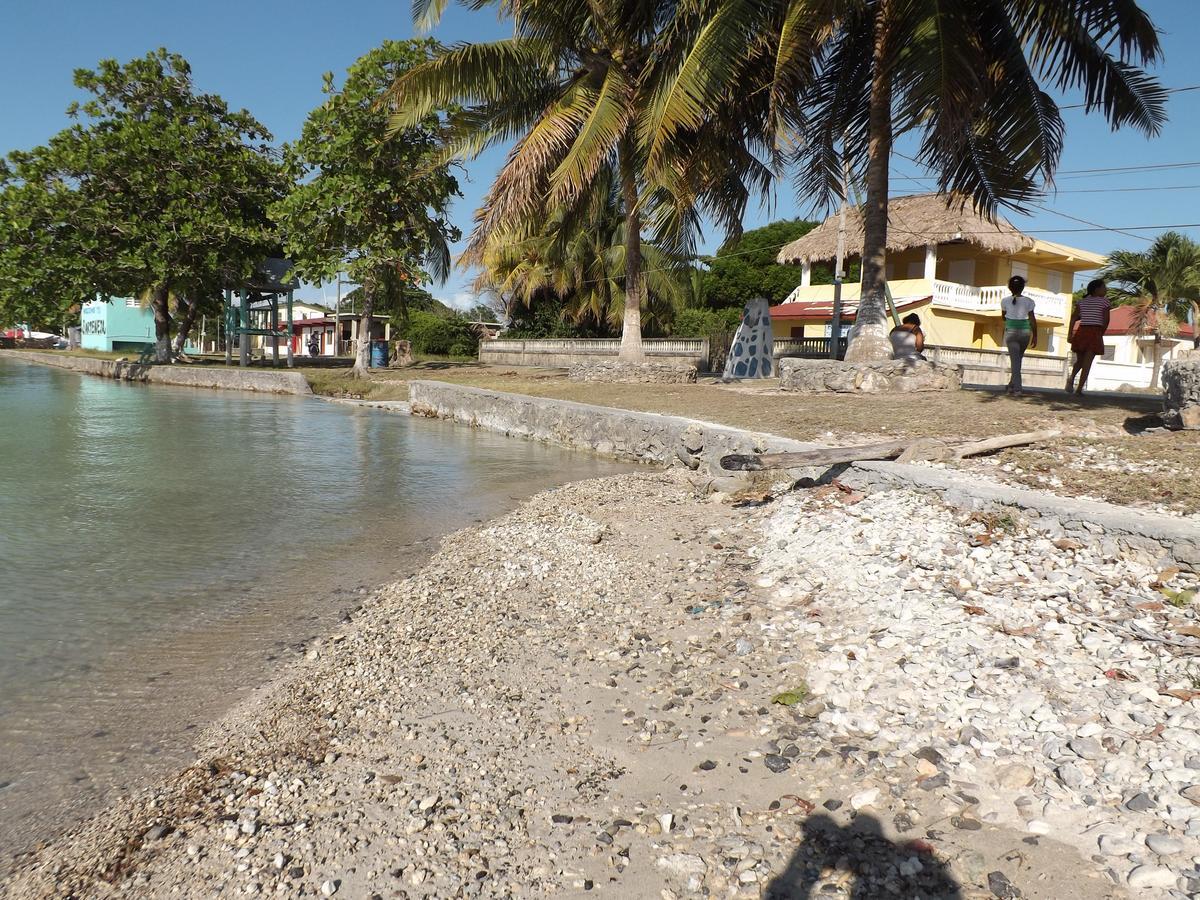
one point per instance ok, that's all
(859, 853)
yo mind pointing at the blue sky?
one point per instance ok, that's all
(268, 56)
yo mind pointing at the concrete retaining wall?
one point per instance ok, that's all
(217, 377)
(677, 441)
(565, 353)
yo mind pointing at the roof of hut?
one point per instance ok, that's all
(912, 222)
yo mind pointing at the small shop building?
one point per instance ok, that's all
(116, 324)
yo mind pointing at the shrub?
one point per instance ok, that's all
(701, 323)
(434, 335)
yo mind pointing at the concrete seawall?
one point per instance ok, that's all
(216, 377)
(677, 441)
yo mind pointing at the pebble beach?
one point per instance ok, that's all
(633, 687)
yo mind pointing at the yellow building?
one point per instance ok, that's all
(950, 266)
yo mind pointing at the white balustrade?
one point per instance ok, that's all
(987, 299)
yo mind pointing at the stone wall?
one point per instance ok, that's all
(1181, 394)
(614, 372)
(676, 441)
(217, 377)
(893, 375)
(684, 354)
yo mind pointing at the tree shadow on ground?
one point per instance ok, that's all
(856, 862)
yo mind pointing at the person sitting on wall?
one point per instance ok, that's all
(908, 340)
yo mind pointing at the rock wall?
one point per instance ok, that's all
(217, 377)
(1181, 394)
(614, 372)
(892, 375)
(676, 441)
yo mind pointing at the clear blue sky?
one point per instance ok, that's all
(268, 56)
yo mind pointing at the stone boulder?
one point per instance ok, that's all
(1181, 394)
(618, 372)
(886, 376)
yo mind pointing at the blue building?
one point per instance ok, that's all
(117, 324)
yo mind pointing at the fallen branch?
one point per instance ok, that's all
(906, 450)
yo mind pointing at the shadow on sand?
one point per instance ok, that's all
(856, 862)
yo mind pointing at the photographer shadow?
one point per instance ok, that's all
(856, 862)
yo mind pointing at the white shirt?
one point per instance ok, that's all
(1016, 307)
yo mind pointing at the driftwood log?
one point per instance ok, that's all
(906, 450)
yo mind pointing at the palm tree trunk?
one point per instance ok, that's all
(159, 299)
(362, 358)
(631, 327)
(1195, 325)
(869, 336)
(1157, 365)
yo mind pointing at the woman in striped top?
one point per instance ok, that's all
(1089, 321)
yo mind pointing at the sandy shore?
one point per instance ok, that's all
(585, 697)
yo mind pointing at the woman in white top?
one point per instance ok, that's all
(1020, 329)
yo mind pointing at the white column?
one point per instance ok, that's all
(930, 262)
(805, 273)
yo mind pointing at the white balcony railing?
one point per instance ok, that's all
(951, 295)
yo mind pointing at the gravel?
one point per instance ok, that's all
(578, 697)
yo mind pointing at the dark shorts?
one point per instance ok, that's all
(1088, 339)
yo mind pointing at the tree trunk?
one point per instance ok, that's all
(631, 327)
(1195, 325)
(362, 358)
(869, 336)
(1157, 365)
(191, 307)
(159, 300)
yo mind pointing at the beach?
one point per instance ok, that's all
(634, 688)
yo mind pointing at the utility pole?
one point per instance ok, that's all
(835, 324)
(337, 321)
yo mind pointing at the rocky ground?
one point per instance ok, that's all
(627, 688)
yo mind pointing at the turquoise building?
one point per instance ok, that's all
(118, 324)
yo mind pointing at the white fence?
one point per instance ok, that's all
(952, 295)
(571, 351)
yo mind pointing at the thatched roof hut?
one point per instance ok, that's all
(912, 222)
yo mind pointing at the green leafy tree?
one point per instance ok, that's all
(363, 202)
(968, 77)
(571, 87)
(156, 191)
(746, 268)
(1162, 284)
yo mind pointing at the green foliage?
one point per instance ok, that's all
(436, 335)
(701, 323)
(155, 188)
(746, 268)
(365, 202)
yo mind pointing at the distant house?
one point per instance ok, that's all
(117, 324)
(951, 267)
(1129, 355)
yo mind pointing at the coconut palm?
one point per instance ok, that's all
(843, 78)
(571, 87)
(1162, 284)
(582, 261)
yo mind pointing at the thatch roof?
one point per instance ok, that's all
(912, 222)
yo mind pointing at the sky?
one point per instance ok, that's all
(268, 56)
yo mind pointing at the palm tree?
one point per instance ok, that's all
(1162, 284)
(571, 86)
(843, 78)
(581, 261)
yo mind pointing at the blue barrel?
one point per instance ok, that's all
(379, 355)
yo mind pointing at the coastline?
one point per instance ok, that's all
(577, 697)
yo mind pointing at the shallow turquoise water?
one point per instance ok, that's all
(159, 547)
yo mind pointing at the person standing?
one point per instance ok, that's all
(1020, 330)
(1089, 322)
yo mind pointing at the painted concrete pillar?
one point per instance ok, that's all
(805, 273)
(930, 261)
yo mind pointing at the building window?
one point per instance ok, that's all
(1054, 282)
(1020, 268)
(1047, 342)
(797, 332)
(132, 302)
(1110, 352)
(961, 271)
